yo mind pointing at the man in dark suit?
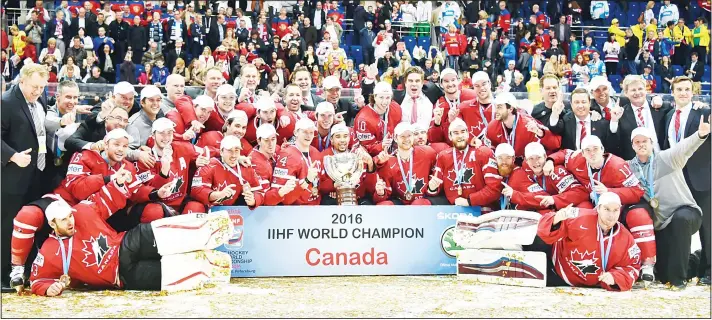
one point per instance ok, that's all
(318, 18)
(92, 130)
(332, 90)
(680, 123)
(309, 33)
(217, 32)
(695, 69)
(360, 16)
(24, 152)
(82, 20)
(177, 52)
(576, 125)
(241, 32)
(209, 19)
(639, 112)
(550, 92)
(562, 30)
(302, 78)
(367, 37)
(61, 37)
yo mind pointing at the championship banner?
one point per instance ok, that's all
(343, 240)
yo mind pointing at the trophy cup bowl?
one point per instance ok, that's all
(346, 170)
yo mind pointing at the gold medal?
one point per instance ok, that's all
(315, 191)
(58, 161)
(65, 280)
(654, 203)
(408, 196)
(459, 190)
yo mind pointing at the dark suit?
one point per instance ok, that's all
(242, 35)
(214, 35)
(542, 113)
(316, 100)
(171, 57)
(628, 123)
(52, 28)
(19, 185)
(88, 132)
(557, 32)
(699, 70)
(567, 127)
(360, 16)
(495, 51)
(697, 175)
(366, 40)
(88, 26)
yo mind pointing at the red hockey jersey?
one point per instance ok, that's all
(291, 163)
(183, 155)
(477, 117)
(577, 255)
(283, 133)
(324, 143)
(481, 183)
(88, 173)
(496, 133)
(422, 159)
(95, 247)
(615, 174)
(561, 185)
(212, 139)
(264, 168)
(440, 133)
(371, 128)
(217, 175)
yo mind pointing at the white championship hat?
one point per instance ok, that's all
(230, 142)
(339, 128)
(505, 98)
(480, 76)
(609, 198)
(238, 115)
(265, 131)
(419, 126)
(457, 123)
(162, 124)
(324, 107)
(124, 87)
(447, 71)
(204, 102)
(591, 141)
(643, 131)
(331, 82)
(382, 88)
(149, 91)
(598, 81)
(402, 127)
(304, 124)
(58, 210)
(265, 104)
(224, 89)
(118, 133)
(534, 149)
(504, 149)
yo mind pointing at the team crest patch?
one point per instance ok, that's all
(39, 260)
(585, 262)
(95, 250)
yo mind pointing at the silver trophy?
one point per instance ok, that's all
(346, 170)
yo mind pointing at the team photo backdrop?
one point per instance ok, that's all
(343, 240)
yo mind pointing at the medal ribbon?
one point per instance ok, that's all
(459, 166)
(66, 259)
(650, 179)
(309, 163)
(237, 174)
(605, 254)
(503, 202)
(408, 182)
(510, 138)
(590, 178)
(327, 143)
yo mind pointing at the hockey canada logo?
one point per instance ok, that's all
(585, 262)
(419, 184)
(94, 250)
(466, 176)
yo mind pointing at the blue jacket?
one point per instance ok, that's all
(666, 46)
(366, 40)
(509, 53)
(159, 75)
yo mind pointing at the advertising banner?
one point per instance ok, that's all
(343, 240)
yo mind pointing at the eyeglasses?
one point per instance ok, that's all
(120, 119)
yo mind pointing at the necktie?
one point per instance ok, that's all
(178, 52)
(39, 128)
(641, 120)
(677, 125)
(583, 130)
(414, 111)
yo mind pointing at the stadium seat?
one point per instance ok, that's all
(632, 18)
(424, 42)
(139, 69)
(676, 70)
(706, 75)
(118, 73)
(615, 81)
(357, 55)
(410, 43)
(347, 39)
(659, 84)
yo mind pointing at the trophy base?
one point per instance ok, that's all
(346, 197)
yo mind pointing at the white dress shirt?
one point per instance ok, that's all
(424, 107)
(648, 117)
(587, 123)
(683, 121)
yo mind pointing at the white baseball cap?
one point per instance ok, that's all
(609, 198)
(230, 142)
(237, 115)
(204, 102)
(402, 127)
(534, 149)
(455, 124)
(504, 149)
(382, 88)
(265, 104)
(225, 89)
(304, 124)
(150, 91)
(598, 81)
(419, 126)
(447, 71)
(480, 76)
(643, 131)
(162, 124)
(124, 87)
(591, 141)
(324, 106)
(118, 133)
(59, 209)
(265, 131)
(331, 82)
(339, 128)
(505, 98)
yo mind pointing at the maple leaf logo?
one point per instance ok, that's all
(466, 176)
(94, 250)
(585, 262)
(418, 187)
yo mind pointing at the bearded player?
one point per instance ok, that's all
(467, 174)
(529, 189)
(591, 247)
(298, 171)
(325, 120)
(504, 154)
(404, 178)
(235, 125)
(268, 112)
(340, 139)
(601, 172)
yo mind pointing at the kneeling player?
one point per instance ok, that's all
(106, 259)
(591, 248)
(225, 181)
(467, 174)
